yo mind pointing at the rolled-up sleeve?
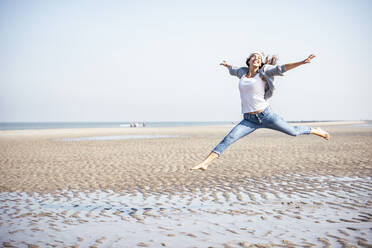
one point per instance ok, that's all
(238, 71)
(233, 70)
(277, 70)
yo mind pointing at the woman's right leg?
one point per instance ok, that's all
(239, 131)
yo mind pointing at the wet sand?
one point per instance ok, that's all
(268, 189)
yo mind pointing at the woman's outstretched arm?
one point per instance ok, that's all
(294, 65)
(234, 71)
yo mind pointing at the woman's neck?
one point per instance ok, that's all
(253, 70)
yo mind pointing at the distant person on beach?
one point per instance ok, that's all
(256, 86)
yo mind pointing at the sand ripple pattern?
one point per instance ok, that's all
(40, 163)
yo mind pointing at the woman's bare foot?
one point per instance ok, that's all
(200, 166)
(204, 165)
(320, 132)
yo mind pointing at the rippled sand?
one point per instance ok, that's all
(267, 189)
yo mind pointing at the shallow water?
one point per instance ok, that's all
(119, 137)
(312, 211)
(363, 125)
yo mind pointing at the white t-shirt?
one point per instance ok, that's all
(252, 92)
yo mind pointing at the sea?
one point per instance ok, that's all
(56, 125)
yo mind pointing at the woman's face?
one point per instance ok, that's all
(255, 60)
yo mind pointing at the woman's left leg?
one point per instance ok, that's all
(276, 122)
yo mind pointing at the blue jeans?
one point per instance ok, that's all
(251, 122)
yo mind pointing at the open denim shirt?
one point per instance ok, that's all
(267, 72)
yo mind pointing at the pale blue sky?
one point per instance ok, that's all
(159, 60)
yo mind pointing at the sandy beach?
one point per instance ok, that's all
(129, 187)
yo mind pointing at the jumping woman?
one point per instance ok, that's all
(256, 86)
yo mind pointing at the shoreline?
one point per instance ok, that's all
(148, 130)
(197, 124)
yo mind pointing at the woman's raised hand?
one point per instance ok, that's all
(224, 63)
(311, 56)
(290, 66)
